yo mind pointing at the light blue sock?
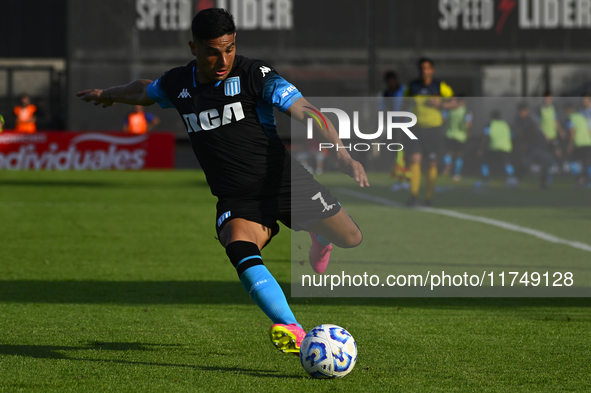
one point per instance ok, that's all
(509, 170)
(322, 240)
(589, 171)
(267, 294)
(447, 160)
(485, 170)
(459, 165)
(575, 169)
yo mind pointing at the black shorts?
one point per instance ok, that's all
(298, 204)
(428, 142)
(454, 146)
(582, 153)
(497, 157)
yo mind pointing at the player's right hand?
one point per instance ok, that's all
(100, 97)
(354, 169)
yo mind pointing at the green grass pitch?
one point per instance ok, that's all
(113, 282)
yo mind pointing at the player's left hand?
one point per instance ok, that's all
(355, 170)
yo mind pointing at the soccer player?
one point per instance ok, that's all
(551, 127)
(497, 145)
(391, 99)
(226, 102)
(587, 108)
(458, 124)
(429, 129)
(579, 145)
(533, 142)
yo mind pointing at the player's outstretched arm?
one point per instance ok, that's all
(134, 93)
(346, 163)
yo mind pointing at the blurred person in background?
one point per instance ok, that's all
(26, 121)
(551, 127)
(458, 123)
(2, 122)
(579, 145)
(428, 93)
(391, 99)
(533, 143)
(587, 108)
(139, 121)
(496, 147)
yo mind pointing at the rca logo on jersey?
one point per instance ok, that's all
(232, 86)
(210, 119)
(184, 94)
(344, 128)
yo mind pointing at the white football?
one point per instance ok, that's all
(328, 351)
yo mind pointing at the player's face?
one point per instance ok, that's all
(214, 57)
(548, 100)
(587, 101)
(392, 83)
(427, 70)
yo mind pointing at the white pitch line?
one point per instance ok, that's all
(463, 216)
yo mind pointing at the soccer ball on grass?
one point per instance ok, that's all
(328, 351)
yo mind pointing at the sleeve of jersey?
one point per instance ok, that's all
(156, 93)
(279, 92)
(445, 90)
(487, 131)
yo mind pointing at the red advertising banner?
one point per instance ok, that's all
(86, 151)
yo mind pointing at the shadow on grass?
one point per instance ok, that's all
(222, 292)
(56, 183)
(200, 183)
(55, 352)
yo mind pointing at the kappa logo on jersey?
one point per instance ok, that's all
(232, 86)
(210, 119)
(327, 207)
(184, 94)
(265, 70)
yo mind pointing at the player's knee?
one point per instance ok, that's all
(352, 239)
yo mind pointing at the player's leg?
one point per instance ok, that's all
(432, 148)
(415, 178)
(511, 180)
(459, 162)
(587, 162)
(339, 230)
(243, 240)
(413, 154)
(484, 166)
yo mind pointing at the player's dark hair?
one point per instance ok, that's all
(547, 93)
(425, 59)
(212, 23)
(522, 105)
(389, 75)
